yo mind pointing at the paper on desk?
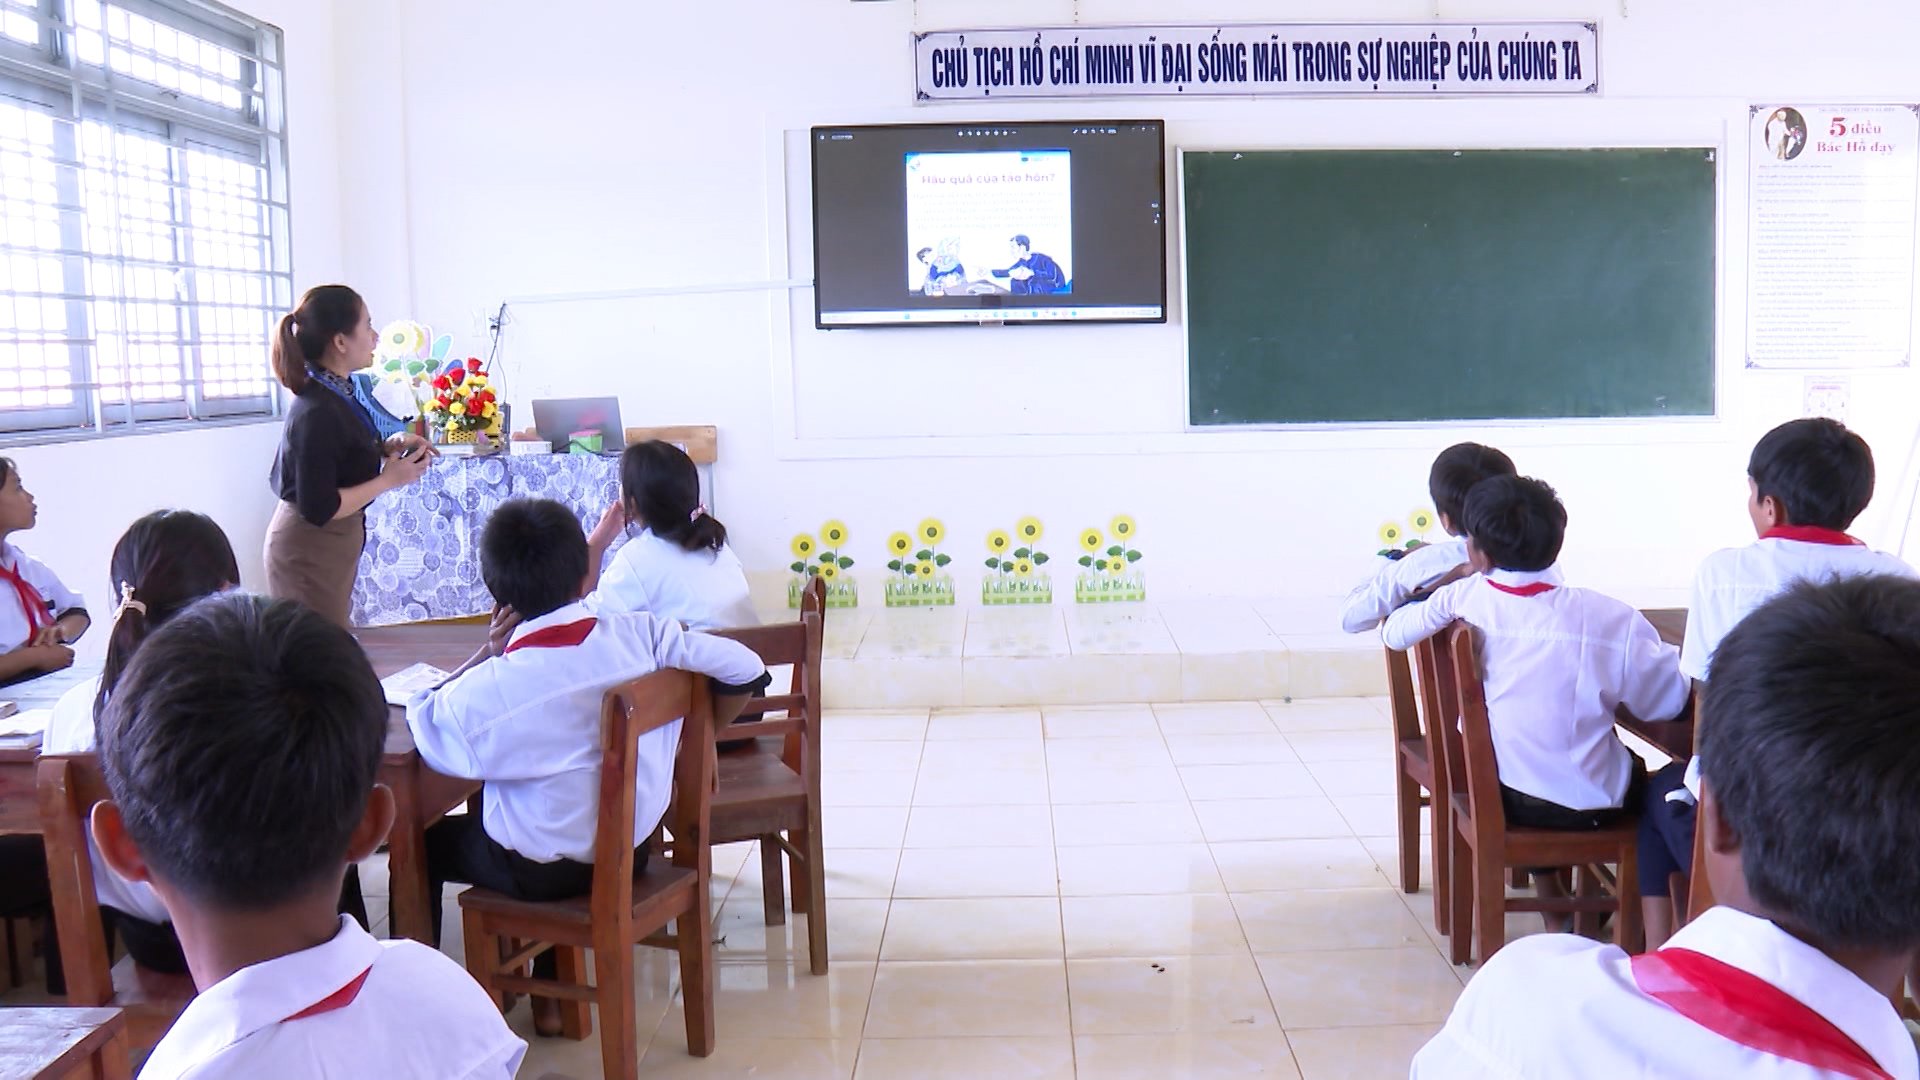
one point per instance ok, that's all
(402, 685)
(31, 722)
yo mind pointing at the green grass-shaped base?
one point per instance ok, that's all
(935, 591)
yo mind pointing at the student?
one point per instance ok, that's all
(241, 747)
(679, 566)
(39, 616)
(1811, 800)
(1807, 480)
(164, 563)
(524, 716)
(1557, 663)
(1412, 574)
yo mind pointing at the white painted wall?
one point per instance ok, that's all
(645, 145)
(90, 491)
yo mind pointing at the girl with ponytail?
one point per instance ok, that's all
(677, 565)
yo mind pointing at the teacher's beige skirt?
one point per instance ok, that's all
(313, 564)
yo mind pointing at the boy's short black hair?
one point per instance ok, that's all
(1516, 521)
(1457, 469)
(1808, 746)
(533, 556)
(1820, 473)
(241, 746)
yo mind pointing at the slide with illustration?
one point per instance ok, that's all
(992, 221)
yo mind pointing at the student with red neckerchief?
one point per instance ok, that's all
(1811, 808)
(1807, 480)
(39, 616)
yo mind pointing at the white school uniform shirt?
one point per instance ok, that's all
(15, 628)
(1555, 665)
(703, 590)
(528, 724)
(70, 730)
(1732, 582)
(416, 1016)
(1556, 1005)
(1393, 580)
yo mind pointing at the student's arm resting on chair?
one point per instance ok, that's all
(1651, 685)
(1410, 625)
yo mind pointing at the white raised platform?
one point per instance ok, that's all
(1184, 650)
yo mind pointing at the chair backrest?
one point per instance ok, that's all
(1440, 710)
(1478, 763)
(797, 644)
(628, 712)
(69, 786)
(1401, 700)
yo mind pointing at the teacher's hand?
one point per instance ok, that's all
(406, 443)
(401, 471)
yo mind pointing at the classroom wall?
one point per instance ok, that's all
(90, 491)
(660, 147)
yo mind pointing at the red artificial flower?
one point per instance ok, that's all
(473, 363)
(442, 383)
(457, 375)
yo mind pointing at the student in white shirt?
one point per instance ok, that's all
(524, 716)
(678, 565)
(163, 564)
(1412, 574)
(1811, 803)
(1807, 480)
(39, 616)
(1557, 663)
(241, 748)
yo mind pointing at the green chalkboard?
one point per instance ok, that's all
(1417, 285)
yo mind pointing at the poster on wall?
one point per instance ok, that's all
(1426, 59)
(1831, 193)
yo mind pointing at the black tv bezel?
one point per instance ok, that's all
(813, 140)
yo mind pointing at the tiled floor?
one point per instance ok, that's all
(1123, 891)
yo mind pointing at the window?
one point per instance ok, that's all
(143, 213)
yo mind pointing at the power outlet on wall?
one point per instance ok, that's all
(1826, 395)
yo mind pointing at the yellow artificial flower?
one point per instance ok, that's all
(899, 543)
(998, 541)
(1023, 567)
(474, 382)
(403, 338)
(1028, 529)
(829, 571)
(925, 569)
(489, 410)
(1117, 564)
(458, 408)
(1390, 534)
(1122, 528)
(453, 428)
(931, 531)
(1090, 540)
(1421, 521)
(833, 533)
(802, 546)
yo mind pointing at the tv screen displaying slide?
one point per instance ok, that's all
(932, 224)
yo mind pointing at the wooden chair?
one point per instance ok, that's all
(69, 786)
(624, 908)
(1485, 848)
(764, 793)
(1699, 890)
(1414, 780)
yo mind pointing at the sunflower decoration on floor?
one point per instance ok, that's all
(918, 575)
(819, 556)
(1015, 563)
(1108, 564)
(1397, 538)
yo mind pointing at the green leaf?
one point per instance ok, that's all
(813, 571)
(1100, 564)
(1134, 556)
(826, 556)
(1023, 553)
(799, 567)
(1086, 560)
(1039, 558)
(941, 560)
(845, 564)
(993, 564)
(923, 554)
(893, 564)
(1116, 550)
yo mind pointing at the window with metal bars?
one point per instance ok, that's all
(144, 253)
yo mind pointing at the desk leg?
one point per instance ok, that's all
(409, 909)
(113, 1061)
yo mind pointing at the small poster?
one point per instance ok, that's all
(1830, 235)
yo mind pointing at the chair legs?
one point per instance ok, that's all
(483, 955)
(1489, 904)
(570, 966)
(1460, 897)
(816, 874)
(613, 979)
(772, 881)
(1406, 798)
(695, 933)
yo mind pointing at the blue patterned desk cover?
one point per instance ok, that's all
(422, 559)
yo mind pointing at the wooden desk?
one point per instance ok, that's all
(420, 795)
(19, 807)
(47, 1044)
(1673, 738)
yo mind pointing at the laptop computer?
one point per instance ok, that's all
(555, 420)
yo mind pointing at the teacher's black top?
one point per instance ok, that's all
(328, 444)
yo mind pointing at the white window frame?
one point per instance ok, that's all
(52, 76)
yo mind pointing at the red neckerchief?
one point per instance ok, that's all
(34, 604)
(1746, 1009)
(339, 999)
(556, 637)
(1534, 588)
(1812, 534)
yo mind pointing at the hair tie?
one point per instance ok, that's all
(698, 513)
(127, 603)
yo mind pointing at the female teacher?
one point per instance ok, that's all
(331, 462)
